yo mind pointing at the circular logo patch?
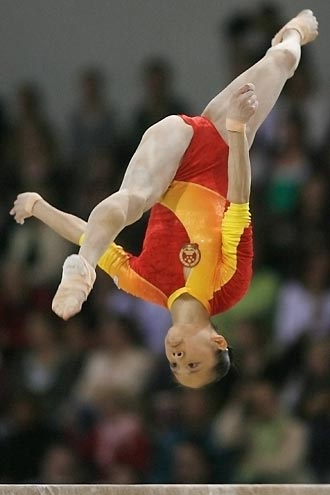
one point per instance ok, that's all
(190, 255)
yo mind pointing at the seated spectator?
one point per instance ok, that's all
(119, 435)
(121, 303)
(312, 213)
(123, 474)
(314, 406)
(181, 417)
(93, 123)
(118, 362)
(38, 253)
(191, 465)
(60, 465)
(260, 301)
(306, 93)
(15, 304)
(270, 445)
(159, 99)
(304, 303)
(291, 168)
(30, 116)
(42, 369)
(100, 179)
(27, 437)
(33, 159)
(247, 33)
(252, 349)
(290, 172)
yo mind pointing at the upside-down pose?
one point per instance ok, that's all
(194, 172)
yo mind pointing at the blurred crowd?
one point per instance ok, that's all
(92, 399)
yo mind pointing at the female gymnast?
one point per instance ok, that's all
(194, 174)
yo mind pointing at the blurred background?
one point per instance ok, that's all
(91, 400)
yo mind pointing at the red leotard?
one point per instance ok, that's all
(196, 241)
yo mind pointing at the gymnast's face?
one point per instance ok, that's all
(192, 353)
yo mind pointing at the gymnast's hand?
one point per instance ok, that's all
(242, 104)
(23, 206)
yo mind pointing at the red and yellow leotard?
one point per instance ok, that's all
(196, 241)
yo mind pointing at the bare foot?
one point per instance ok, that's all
(305, 23)
(77, 281)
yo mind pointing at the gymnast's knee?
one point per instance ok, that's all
(137, 205)
(120, 209)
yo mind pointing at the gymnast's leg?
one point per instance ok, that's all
(148, 176)
(268, 75)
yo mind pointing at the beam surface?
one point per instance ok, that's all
(164, 489)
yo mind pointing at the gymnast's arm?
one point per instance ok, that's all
(30, 204)
(236, 223)
(242, 107)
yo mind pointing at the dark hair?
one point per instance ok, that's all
(225, 360)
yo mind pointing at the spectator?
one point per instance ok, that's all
(159, 99)
(15, 303)
(247, 33)
(312, 214)
(191, 465)
(119, 302)
(260, 301)
(252, 349)
(94, 122)
(41, 369)
(304, 302)
(98, 180)
(33, 154)
(37, 253)
(31, 115)
(119, 362)
(309, 392)
(271, 444)
(26, 439)
(119, 435)
(61, 466)
(290, 173)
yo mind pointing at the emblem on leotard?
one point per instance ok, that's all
(190, 255)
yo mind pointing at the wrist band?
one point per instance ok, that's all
(234, 125)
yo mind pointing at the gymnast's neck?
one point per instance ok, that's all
(187, 310)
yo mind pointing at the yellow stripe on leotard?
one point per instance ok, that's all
(200, 210)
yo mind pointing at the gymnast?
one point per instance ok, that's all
(194, 174)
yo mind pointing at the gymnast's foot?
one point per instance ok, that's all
(305, 23)
(77, 281)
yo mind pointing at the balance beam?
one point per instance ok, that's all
(164, 489)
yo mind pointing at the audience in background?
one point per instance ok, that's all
(92, 400)
(62, 466)
(159, 97)
(268, 443)
(94, 121)
(118, 362)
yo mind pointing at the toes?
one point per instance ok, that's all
(65, 307)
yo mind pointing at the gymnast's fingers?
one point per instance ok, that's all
(249, 87)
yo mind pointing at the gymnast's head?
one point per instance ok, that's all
(197, 355)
